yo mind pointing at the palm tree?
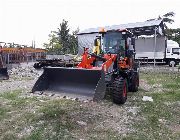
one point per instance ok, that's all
(166, 18)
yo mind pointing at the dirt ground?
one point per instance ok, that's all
(103, 117)
(114, 116)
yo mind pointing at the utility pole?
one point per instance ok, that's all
(155, 45)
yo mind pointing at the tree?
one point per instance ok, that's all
(173, 34)
(54, 46)
(167, 18)
(63, 35)
(61, 41)
(73, 42)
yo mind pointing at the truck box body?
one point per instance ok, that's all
(145, 48)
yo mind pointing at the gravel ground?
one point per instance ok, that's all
(22, 76)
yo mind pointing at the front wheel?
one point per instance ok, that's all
(37, 65)
(119, 92)
(134, 82)
(172, 62)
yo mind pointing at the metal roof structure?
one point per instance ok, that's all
(138, 28)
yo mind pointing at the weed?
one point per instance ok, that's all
(3, 112)
(12, 95)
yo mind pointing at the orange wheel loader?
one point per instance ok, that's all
(113, 68)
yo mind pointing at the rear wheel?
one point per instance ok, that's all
(134, 83)
(119, 92)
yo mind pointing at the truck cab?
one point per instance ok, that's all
(172, 52)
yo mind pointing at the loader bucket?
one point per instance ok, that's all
(72, 82)
(4, 74)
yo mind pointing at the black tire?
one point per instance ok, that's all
(134, 82)
(119, 91)
(37, 65)
(172, 61)
(136, 66)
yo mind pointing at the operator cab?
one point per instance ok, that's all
(114, 42)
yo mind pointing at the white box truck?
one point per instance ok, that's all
(165, 51)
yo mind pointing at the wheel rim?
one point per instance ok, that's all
(124, 89)
(171, 62)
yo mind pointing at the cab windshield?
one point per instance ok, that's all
(176, 50)
(113, 43)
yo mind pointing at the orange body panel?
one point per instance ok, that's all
(110, 59)
(87, 61)
(124, 63)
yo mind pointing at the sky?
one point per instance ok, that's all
(22, 21)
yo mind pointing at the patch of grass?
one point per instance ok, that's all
(12, 95)
(52, 112)
(157, 115)
(58, 110)
(30, 118)
(35, 135)
(167, 96)
(103, 134)
(15, 100)
(150, 127)
(171, 86)
(56, 118)
(18, 103)
(3, 112)
(154, 78)
(9, 136)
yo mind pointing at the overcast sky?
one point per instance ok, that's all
(22, 21)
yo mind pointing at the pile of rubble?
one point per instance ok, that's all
(24, 71)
